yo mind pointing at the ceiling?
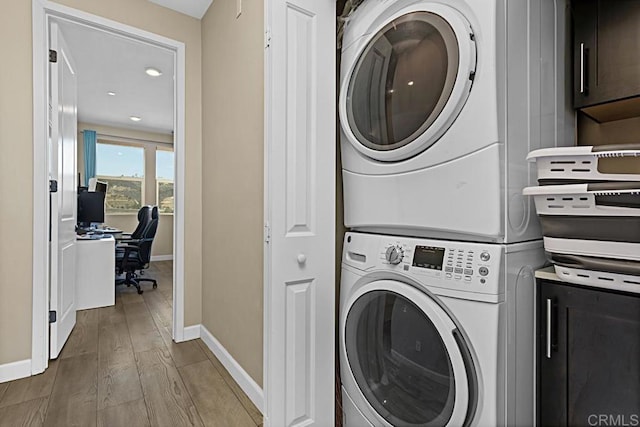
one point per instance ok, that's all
(195, 8)
(110, 63)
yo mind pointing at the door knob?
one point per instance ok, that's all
(302, 258)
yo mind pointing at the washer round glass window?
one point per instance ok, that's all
(402, 81)
(399, 360)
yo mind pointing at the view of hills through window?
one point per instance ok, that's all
(122, 168)
(164, 180)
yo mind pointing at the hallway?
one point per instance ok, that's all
(121, 368)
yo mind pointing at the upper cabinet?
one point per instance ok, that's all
(606, 51)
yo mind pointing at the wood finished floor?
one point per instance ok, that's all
(121, 368)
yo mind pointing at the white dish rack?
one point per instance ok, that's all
(588, 216)
(581, 164)
(587, 199)
(599, 279)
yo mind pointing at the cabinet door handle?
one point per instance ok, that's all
(582, 69)
(549, 304)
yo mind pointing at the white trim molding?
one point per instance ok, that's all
(15, 370)
(42, 12)
(244, 380)
(192, 332)
(161, 258)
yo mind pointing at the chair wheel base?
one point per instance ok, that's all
(140, 291)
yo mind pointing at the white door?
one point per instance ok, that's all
(300, 212)
(62, 167)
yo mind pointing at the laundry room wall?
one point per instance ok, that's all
(16, 161)
(16, 171)
(233, 169)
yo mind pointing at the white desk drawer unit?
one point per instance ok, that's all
(95, 279)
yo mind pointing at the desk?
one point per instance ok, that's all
(95, 272)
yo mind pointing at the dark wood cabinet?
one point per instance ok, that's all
(606, 50)
(588, 356)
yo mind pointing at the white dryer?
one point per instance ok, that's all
(440, 102)
(437, 333)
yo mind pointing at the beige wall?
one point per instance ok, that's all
(16, 164)
(163, 242)
(16, 171)
(232, 293)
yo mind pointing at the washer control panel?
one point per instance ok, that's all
(464, 266)
(394, 254)
(464, 263)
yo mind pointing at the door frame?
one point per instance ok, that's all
(42, 12)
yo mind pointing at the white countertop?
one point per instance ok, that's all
(547, 273)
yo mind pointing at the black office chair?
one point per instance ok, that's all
(135, 255)
(144, 216)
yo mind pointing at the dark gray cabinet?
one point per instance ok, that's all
(588, 356)
(606, 50)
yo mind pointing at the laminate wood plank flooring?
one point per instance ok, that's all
(29, 413)
(255, 414)
(30, 388)
(203, 380)
(120, 367)
(130, 414)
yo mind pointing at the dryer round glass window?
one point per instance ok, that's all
(399, 360)
(402, 89)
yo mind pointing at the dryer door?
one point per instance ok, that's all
(409, 364)
(409, 83)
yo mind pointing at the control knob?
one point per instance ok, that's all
(394, 254)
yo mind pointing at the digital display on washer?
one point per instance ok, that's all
(428, 257)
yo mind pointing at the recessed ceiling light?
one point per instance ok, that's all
(135, 118)
(153, 72)
(410, 83)
(111, 93)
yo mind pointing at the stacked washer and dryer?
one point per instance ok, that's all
(440, 102)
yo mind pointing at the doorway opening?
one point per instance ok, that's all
(44, 14)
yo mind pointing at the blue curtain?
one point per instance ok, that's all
(89, 155)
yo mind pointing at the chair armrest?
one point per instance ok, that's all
(127, 240)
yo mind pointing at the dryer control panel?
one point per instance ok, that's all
(460, 266)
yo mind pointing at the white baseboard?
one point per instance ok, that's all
(161, 258)
(191, 332)
(244, 380)
(15, 370)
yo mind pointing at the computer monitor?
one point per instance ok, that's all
(101, 186)
(95, 185)
(90, 208)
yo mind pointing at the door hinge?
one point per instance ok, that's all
(267, 233)
(53, 318)
(53, 55)
(267, 39)
(53, 186)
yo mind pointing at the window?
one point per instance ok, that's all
(164, 180)
(122, 168)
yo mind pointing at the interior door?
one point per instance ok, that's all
(62, 147)
(300, 213)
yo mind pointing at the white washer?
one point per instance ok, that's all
(437, 333)
(440, 103)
